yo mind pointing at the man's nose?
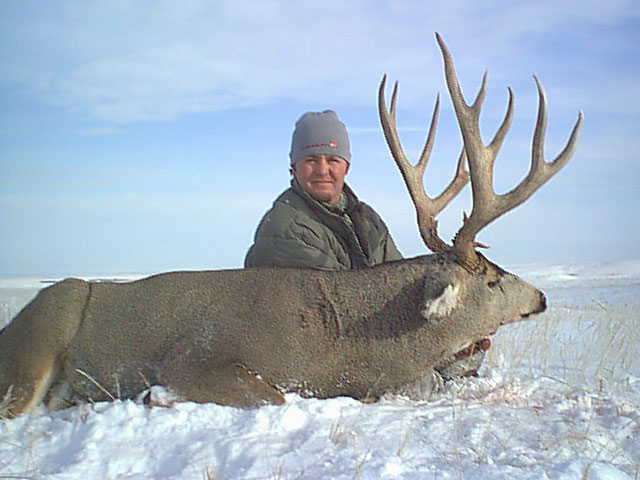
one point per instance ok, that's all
(322, 167)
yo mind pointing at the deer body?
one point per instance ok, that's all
(243, 337)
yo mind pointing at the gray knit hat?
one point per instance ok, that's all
(318, 133)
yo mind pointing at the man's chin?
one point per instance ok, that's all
(322, 196)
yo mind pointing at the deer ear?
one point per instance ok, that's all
(439, 300)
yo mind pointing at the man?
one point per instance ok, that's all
(319, 222)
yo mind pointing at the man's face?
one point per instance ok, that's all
(321, 176)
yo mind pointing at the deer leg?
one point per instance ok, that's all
(232, 385)
(421, 388)
(32, 344)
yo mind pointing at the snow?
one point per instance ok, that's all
(558, 397)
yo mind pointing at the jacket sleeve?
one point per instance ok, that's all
(391, 251)
(291, 243)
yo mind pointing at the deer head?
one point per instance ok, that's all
(487, 204)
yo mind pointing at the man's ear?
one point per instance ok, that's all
(348, 166)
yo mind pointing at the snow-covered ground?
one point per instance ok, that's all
(558, 398)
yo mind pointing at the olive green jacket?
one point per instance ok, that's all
(301, 232)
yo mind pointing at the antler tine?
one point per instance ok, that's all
(537, 148)
(426, 207)
(457, 183)
(487, 205)
(541, 171)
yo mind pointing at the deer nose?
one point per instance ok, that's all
(543, 302)
(539, 308)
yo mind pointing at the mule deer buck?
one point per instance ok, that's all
(245, 337)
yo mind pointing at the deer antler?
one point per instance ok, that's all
(487, 205)
(426, 207)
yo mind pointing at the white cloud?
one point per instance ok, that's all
(131, 61)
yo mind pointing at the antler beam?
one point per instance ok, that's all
(426, 207)
(487, 205)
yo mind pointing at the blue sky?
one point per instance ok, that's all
(151, 136)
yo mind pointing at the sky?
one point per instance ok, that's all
(153, 136)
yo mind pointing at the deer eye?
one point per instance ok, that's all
(493, 284)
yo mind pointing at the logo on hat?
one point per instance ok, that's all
(331, 144)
